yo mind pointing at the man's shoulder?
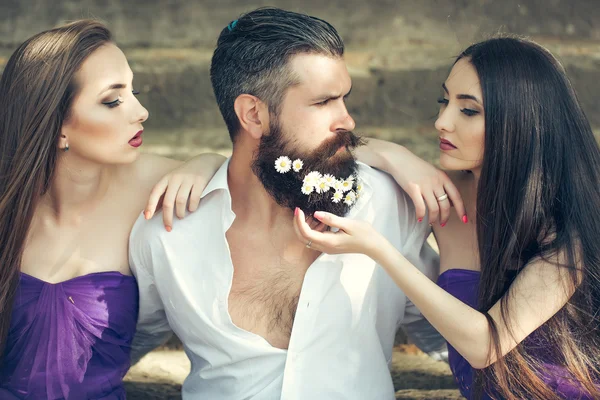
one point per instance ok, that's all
(146, 233)
(384, 189)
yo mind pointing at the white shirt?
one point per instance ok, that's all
(347, 316)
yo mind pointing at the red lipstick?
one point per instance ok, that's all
(446, 145)
(136, 141)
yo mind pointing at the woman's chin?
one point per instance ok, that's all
(450, 163)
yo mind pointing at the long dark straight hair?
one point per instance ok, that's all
(538, 197)
(36, 91)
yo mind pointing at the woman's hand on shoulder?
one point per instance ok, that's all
(182, 187)
(423, 182)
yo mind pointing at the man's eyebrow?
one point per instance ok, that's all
(462, 96)
(332, 96)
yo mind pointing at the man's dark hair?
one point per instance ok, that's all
(253, 53)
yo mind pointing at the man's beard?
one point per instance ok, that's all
(286, 188)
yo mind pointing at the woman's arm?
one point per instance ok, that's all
(423, 182)
(537, 293)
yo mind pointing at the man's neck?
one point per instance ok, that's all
(250, 201)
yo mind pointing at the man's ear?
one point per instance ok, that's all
(253, 115)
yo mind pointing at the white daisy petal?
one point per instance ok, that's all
(350, 198)
(297, 165)
(322, 186)
(312, 178)
(330, 179)
(283, 164)
(307, 189)
(346, 185)
(337, 196)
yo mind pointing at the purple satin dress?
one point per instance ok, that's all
(70, 340)
(464, 284)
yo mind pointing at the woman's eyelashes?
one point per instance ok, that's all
(467, 111)
(118, 101)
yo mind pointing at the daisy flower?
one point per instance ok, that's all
(312, 178)
(359, 189)
(330, 179)
(346, 185)
(359, 186)
(337, 196)
(350, 198)
(283, 164)
(337, 185)
(322, 186)
(297, 165)
(307, 189)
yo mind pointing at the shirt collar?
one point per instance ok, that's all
(219, 180)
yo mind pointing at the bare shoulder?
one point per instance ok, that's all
(147, 170)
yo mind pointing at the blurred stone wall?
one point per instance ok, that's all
(398, 53)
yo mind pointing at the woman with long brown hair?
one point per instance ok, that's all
(519, 302)
(72, 184)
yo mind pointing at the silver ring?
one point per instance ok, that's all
(308, 244)
(443, 197)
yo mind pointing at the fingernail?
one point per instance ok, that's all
(296, 211)
(146, 213)
(318, 215)
(420, 220)
(168, 228)
(465, 219)
(443, 224)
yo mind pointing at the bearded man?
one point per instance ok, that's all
(261, 314)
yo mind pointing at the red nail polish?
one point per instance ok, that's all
(420, 220)
(465, 219)
(443, 225)
(168, 228)
(296, 211)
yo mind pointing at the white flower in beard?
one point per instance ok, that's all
(322, 186)
(337, 196)
(350, 198)
(312, 178)
(283, 164)
(307, 189)
(347, 184)
(297, 165)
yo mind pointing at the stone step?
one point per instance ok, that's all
(387, 92)
(394, 90)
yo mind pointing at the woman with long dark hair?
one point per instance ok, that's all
(519, 302)
(72, 184)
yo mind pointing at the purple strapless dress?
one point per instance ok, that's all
(464, 284)
(70, 340)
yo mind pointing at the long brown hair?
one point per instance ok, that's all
(36, 91)
(538, 198)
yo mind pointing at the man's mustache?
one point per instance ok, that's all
(346, 139)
